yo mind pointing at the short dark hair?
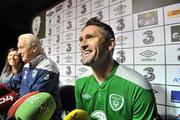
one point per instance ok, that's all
(106, 29)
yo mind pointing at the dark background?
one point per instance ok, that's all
(15, 19)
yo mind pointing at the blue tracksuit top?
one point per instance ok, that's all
(41, 74)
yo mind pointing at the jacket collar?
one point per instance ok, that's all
(37, 59)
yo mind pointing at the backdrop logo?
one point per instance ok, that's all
(99, 15)
(155, 91)
(148, 54)
(49, 41)
(69, 14)
(58, 19)
(147, 19)
(177, 79)
(36, 25)
(58, 8)
(98, 3)
(68, 70)
(150, 74)
(49, 51)
(68, 80)
(121, 25)
(69, 25)
(57, 59)
(68, 47)
(179, 54)
(50, 13)
(68, 59)
(69, 3)
(84, 9)
(83, 20)
(121, 56)
(41, 40)
(120, 9)
(82, 70)
(49, 21)
(69, 36)
(58, 48)
(173, 13)
(175, 96)
(149, 37)
(57, 38)
(49, 31)
(175, 33)
(58, 28)
(118, 0)
(121, 40)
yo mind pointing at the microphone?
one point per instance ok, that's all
(40, 106)
(6, 101)
(7, 98)
(14, 107)
(77, 114)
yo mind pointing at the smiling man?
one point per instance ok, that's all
(112, 91)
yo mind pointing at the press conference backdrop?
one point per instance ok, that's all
(147, 34)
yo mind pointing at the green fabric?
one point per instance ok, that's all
(116, 98)
(40, 106)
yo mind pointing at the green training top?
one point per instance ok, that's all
(124, 95)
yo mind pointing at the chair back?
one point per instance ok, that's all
(67, 96)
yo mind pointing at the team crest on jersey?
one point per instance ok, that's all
(116, 101)
(34, 73)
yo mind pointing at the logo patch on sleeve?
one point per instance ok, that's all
(46, 77)
(34, 73)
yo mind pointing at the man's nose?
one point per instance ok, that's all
(83, 45)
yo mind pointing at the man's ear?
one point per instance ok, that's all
(111, 44)
(34, 48)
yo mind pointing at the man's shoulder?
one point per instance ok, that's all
(84, 75)
(132, 76)
(83, 78)
(47, 64)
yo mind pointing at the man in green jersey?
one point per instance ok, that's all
(112, 91)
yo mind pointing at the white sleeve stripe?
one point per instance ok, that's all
(132, 76)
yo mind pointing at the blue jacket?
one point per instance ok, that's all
(41, 74)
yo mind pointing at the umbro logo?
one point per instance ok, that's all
(86, 96)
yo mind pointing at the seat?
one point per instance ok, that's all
(67, 96)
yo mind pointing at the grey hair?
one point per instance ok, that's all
(31, 40)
